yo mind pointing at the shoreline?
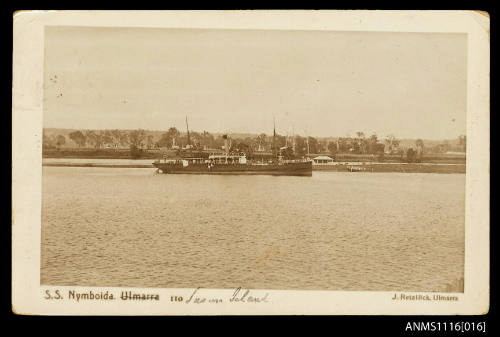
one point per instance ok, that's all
(350, 167)
(394, 168)
(98, 165)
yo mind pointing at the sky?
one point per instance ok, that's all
(315, 83)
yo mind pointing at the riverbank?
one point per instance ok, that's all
(99, 165)
(394, 167)
(88, 153)
(338, 167)
(85, 153)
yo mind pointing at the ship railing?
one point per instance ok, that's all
(168, 161)
(279, 161)
(294, 161)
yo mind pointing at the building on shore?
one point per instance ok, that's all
(322, 160)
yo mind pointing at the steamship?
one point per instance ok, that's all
(235, 164)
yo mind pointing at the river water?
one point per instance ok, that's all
(332, 231)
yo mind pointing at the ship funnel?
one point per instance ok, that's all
(226, 144)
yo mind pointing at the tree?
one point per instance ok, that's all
(207, 140)
(195, 139)
(462, 142)
(149, 141)
(124, 139)
(343, 144)
(47, 142)
(442, 148)
(135, 152)
(280, 141)
(392, 143)
(136, 138)
(78, 137)
(60, 140)
(99, 139)
(107, 138)
(164, 140)
(410, 155)
(372, 144)
(361, 142)
(313, 145)
(251, 142)
(167, 139)
(379, 148)
(300, 146)
(419, 155)
(261, 141)
(173, 133)
(116, 134)
(91, 137)
(303, 144)
(332, 148)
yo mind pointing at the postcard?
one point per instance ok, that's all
(250, 163)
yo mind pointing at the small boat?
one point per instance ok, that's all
(356, 168)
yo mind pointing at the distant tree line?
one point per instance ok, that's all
(101, 139)
(289, 146)
(53, 141)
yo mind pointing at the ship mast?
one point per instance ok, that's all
(307, 140)
(274, 138)
(187, 128)
(226, 144)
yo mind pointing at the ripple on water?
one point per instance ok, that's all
(336, 231)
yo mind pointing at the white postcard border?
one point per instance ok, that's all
(28, 55)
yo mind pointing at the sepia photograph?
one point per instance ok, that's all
(252, 161)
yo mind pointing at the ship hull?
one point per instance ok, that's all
(290, 169)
